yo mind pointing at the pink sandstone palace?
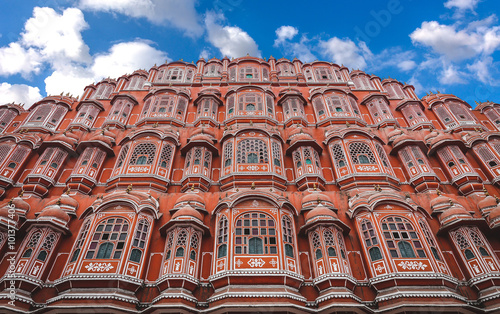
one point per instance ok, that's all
(250, 185)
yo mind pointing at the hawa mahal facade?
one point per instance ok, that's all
(250, 185)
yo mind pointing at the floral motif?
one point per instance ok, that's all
(99, 267)
(412, 265)
(256, 262)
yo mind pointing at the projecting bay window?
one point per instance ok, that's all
(47, 116)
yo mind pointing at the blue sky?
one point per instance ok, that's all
(53, 46)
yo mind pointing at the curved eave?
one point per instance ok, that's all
(300, 143)
(203, 143)
(448, 141)
(325, 221)
(54, 224)
(183, 222)
(82, 145)
(66, 146)
(93, 102)
(405, 102)
(479, 222)
(373, 95)
(401, 144)
(208, 95)
(129, 97)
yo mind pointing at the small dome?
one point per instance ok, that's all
(440, 201)
(300, 137)
(431, 135)
(54, 211)
(494, 214)
(65, 201)
(205, 131)
(65, 138)
(104, 136)
(316, 198)
(452, 214)
(401, 138)
(439, 138)
(20, 204)
(487, 203)
(320, 211)
(294, 131)
(4, 212)
(187, 211)
(201, 137)
(394, 133)
(190, 197)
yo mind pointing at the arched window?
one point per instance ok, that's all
(47, 246)
(136, 82)
(361, 153)
(371, 240)
(402, 239)
(288, 236)
(143, 154)
(195, 240)
(32, 244)
(140, 240)
(182, 238)
(79, 242)
(213, 69)
(170, 243)
(430, 240)
(252, 151)
(228, 154)
(222, 231)
(255, 233)
(109, 239)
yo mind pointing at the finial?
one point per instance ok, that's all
(192, 187)
(451, 202)
(68, 190)
(314, 186)
(485, 191)
(347, 124)
(438, 192)
(58, 201)
(155, 125)
(251, 123)
(21, 193)
(497, 199)
(129, 188)
(253, 186)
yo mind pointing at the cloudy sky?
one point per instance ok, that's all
(53, 46)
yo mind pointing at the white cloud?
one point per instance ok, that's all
(345, 51)
(451, 75)
(179, 13)
(68, 79)
(57, 36)
(16, 59)
(19, 93)
(485, 70)
(125, 58)
(462, 4)
(456, 44)
(285, 33)
(407, 65)
(230, 40)
(121, 59)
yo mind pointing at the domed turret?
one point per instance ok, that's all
(187, 212)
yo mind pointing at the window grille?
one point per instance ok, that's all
(338, 155)
(108, 240)
(252, 151)
(288, 236)
(402, 239)
(140, 239)
(255, 233)
(143, 154)
(79, 242)
(361, 153)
